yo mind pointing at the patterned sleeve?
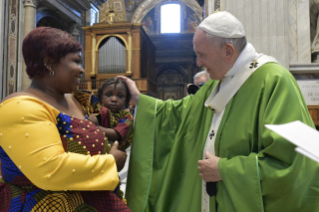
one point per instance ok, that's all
(121, 122)
(125, 128)
(105, 117)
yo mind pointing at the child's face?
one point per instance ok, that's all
(114, 99)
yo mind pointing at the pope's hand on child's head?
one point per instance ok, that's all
(119, 156)
(93, 119)
(135, 93)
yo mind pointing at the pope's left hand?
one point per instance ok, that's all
(208, 168)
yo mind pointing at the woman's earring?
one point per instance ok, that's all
(52, 73)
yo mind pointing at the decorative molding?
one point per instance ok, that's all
(117, 6)
(12, 46)
(162, 68)
(19, 51)
(52, 14)
(169, 76)
(3, 16)
(97, 3)
(93, 53)
(66, 10)
(129, 52)
(97, 45)
(296, 68)
(147, 5)
(217, 5)
(76, 31)
(31, 3)
(83, 4)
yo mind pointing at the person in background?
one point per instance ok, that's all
(211, 151)
(53, 158)
(201, 77)
(199, 80)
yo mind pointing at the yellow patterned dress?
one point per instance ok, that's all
(51, 161)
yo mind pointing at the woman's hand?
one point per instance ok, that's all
(92, 118)
(135, 93)
(120, 156)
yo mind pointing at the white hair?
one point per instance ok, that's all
(201, 73)
(238, 43)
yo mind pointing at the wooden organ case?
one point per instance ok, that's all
(116, 49)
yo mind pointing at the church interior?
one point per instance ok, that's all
(125, 37)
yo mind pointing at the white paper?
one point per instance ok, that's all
(304, 137)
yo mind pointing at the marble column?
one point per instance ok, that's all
(29, 25)
(2, 34)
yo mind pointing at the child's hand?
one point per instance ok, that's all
(93, 119)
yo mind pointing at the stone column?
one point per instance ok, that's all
(2, 34)
(29, 25)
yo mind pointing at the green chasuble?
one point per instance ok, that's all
(260, 170)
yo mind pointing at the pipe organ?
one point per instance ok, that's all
(116, 49)
(112, 56)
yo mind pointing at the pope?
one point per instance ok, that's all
(211, 151)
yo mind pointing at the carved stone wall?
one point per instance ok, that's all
(175, 64)
(171, 83)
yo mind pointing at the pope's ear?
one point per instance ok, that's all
(229, 50)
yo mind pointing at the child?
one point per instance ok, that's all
(113, 120)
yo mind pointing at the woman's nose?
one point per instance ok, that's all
(81, 67)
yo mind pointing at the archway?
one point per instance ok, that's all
(171, 83)
(49, 18)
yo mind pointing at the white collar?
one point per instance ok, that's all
(247, 55)
(244, 66)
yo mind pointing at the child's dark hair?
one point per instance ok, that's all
(114, 81)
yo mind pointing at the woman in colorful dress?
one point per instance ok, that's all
(52, 157)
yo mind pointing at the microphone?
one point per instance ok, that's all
(211, 188)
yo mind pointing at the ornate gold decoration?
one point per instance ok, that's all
(30, 3)
(93, 53)
(111, 15)
(129, 71)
